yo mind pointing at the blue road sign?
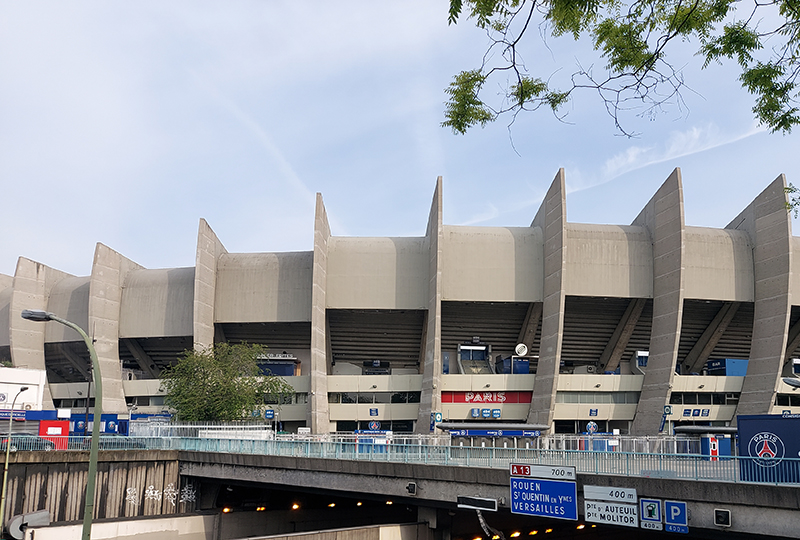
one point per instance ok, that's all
(650, 514)
(676, 517)
(269, 414)
(545, 498)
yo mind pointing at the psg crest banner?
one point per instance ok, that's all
(769, 448)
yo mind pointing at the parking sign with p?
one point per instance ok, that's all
(676, 517)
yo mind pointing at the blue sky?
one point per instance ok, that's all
(125, 123)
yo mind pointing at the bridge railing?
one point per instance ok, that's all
(683, 466)
(672, 466)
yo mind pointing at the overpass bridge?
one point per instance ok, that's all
(184, 476)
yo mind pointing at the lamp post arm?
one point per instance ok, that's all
(91, 477)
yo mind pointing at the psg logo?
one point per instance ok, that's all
(767, 448)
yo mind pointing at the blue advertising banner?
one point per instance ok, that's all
(494, 433)
(769, 446)
(545, 498)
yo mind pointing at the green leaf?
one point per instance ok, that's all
(454, 12)
(736, 41)
(774, 96)
(465, 109)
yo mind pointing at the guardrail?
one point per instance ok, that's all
(651, 465)
(670, 466)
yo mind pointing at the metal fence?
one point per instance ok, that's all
(230, 430)
(674, 457)
(650, 465)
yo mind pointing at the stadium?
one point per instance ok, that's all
(499, 331)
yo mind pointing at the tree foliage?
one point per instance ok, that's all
(633, 37)
(220, 383)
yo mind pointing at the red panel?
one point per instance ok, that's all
(487, 397)
(56, 431)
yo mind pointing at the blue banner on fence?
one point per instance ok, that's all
(769, 445)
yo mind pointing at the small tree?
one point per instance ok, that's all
(221, 383)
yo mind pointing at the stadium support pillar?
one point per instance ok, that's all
(318, 419)
(664, 220)
(769, 225)
(105, 297)
(431, 396)
(33, 283)
(209, 250)
(552, 219)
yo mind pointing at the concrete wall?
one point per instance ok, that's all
(170, 528)
(263, 287)
(69, 299)
(719, 265)
(795, 283)
(129, 484)
(157, 303)
(496, 264)
(415, 531)
(608, 260)
(377, 273)
(5, 309)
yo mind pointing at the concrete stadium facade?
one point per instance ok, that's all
(621, 324)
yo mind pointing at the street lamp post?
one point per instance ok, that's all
(8, 452)
(43, 316)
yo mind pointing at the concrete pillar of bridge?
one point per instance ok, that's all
(664, 220)
(552, 220)
(431, 396)
(105, 298)
(769, 226)
(318, 419)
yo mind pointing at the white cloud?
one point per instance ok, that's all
(678, 144)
